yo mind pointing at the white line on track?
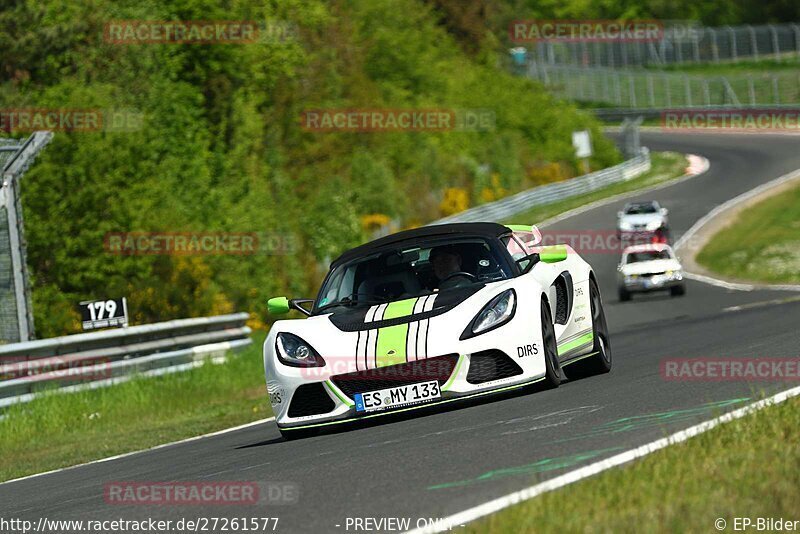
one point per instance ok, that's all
(162, 446)
(471, 514)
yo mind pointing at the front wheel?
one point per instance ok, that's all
(624, 294)
(553, 373)
(677, 291)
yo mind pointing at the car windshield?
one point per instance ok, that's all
(640, 209)
(650, 255)
(413, 270)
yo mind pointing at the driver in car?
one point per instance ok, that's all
(446, 262)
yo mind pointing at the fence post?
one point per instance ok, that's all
(706, 92)
(650, 91)
(775, 91)
(734, 55)
(696, 47)
(714, 46)
(687, 85)
(668, 91)
(753, 41)
(775, 45)
(632, 86)
(796, 29)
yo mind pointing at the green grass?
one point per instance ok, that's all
(59, 430)
(762, 244)
(745, 468)
(665, 166)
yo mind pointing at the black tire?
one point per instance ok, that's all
(290, 435)
(677, 291)
(624, 295)
(553, 372)
(600, 362)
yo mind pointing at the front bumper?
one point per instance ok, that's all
(644, 283)
(459, 376)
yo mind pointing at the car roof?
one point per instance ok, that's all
(476, 229)
(650, 247)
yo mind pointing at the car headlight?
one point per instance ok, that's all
(631, 277)
(625, 226)
(496, 313)
(295, 352)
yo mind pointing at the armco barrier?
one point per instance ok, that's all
(508, 207)
(110, 356)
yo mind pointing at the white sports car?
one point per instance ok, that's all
(432, 315)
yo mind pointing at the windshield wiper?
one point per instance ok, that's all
(349, 301)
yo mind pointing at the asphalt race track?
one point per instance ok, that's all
(440, 463)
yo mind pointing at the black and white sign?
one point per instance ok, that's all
(104, 313)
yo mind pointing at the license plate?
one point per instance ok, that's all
(384, 399)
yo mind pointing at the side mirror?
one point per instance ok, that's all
(619, 214)
(664, 211)
(553, 254)
(278, 306)
(281, 305)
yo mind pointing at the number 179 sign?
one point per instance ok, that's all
(104, 313)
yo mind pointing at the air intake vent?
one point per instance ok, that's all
(310, 399)
(491, 365)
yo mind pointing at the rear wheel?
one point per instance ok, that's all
(553, 373)
(600, 361)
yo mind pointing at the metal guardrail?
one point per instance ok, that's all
(105, 358)
(508, 207)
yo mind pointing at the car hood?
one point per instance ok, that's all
(653, 266)
(349, 319)
(641, 219)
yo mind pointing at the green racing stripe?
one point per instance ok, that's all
(583, 339)
(391, 345)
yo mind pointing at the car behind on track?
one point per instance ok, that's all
(645, 268)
